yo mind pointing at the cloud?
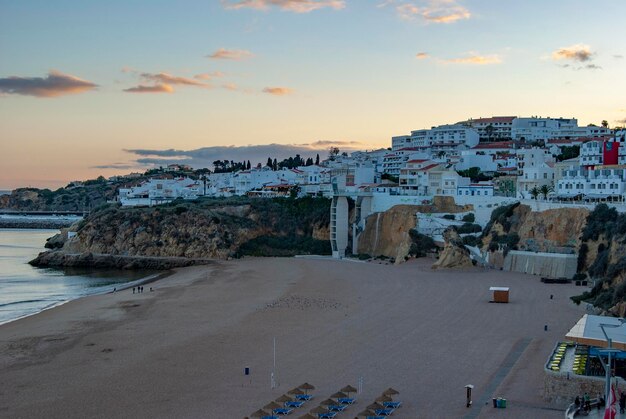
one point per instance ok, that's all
(231, 54)
(434, 11)
(209, 76)
(296, 6)
(229, 86)
(621, 121)
(53, 85)
(120, 166)
(577, 53)
(157, 88)
(475, 59)
(618, 56)
(422, 55)
(168, 79)
(204, 157)
(278, 91)
(590, 67)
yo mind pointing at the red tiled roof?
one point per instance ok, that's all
(417, 161)
(493, 120)
(426, 168)
(493, 146)
(506, 169)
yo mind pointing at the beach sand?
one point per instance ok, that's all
(180, 351)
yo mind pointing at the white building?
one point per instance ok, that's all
(159, 191)
(592, 152)
(476, 189)
(596, 184)
(248, 180)
(414, 176)
(543, 129)
(494, 128)
(394, 161)
(438, 141)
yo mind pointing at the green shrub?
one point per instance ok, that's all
(469, 218)
(421, 244)
(449, 217)
(468, 228)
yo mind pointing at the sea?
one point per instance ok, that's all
(26, 290)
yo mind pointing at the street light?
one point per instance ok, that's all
(609, 351)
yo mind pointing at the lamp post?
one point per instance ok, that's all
(609, 351)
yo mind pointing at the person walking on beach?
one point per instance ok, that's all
(622, 402)
(577, 402)
(133, 290)
(586, 402)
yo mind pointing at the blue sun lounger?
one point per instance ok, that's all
(283, 411)
(376, 417)
(270, 417)
(383, 412)
(304, 397)
(346, 400)
(392, 405)
(294, 404)
(328, 415)
(337, 407)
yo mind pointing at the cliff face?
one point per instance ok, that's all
(387, 233)
(64, 199)
(554, 230)
(206, 229)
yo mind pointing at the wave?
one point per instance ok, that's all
(23, 302)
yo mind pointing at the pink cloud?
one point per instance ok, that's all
(231, 54)
(296, 6)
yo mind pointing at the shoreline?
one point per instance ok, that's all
(124, 286)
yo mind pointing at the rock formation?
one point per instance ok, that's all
(454, 254)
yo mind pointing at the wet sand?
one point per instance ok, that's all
(180, 351)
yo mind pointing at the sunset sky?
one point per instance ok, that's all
(110, 87)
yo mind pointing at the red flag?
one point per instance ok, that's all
(611, 410)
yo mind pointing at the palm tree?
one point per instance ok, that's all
(534, 192)
(545, 190)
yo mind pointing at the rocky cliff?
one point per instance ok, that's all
(79, 198)
(210, 228)
(387, 233)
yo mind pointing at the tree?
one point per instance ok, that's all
(317, 159)
(534, 192)
(605, 123)
(332, 153)
(269, 162)
(275, 165)
(248, 166)
(545, 190)
(568, 153)
(489, 129)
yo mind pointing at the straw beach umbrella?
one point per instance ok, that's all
(306, 387)
(328, 402)
(384, 398)
(319, 410)
(367, 413)
(272, 406)
(339, 395)
(284, 398)
(296, 391)
(391, 392)
(348, 389)
(260, 413)
(307, 416)
(375, 406)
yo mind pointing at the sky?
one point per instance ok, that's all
(105, 88)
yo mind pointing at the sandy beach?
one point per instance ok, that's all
(180, 351)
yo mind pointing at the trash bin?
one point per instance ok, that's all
(495, 402)
(498, 402)
(503, 403)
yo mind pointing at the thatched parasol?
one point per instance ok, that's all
(348, 389)
(384, 398)
(329, 402)
(259, 414)
(306, 387)
(391, 392)
(284, 398)
(295, 391)
(319, 409)
(271, 406)
(367, 413)
(307, 416)
(375, 406)
(339, 395)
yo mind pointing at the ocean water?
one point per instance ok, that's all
(26, 290)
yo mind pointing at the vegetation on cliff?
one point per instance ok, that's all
(207, 228)
(605, 231)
